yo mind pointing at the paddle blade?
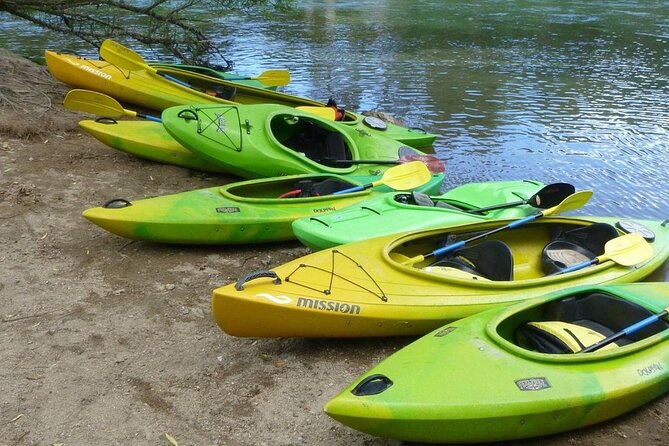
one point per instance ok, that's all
(93, 102)
(629, 249)
(322, 112)
(406, 176)
(117, 54)
(574, 201)
(551, 195)
(274, 78)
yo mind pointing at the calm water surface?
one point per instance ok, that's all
(551, 90)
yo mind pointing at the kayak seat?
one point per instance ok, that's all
(563, 337)
(311, 188)
(575, 246)
(421, 199)
(491, 259)
(597, 313)
(316, 143)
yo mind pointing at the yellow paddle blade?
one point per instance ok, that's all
(117, 54)
(93, 102)
(274, 78)
(627, 250)
(322, 112)
(405, 176)
(573, 201)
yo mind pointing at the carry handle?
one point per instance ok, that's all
(239, 286)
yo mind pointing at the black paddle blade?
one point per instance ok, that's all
(551, 195)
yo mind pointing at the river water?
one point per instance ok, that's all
(566, 91)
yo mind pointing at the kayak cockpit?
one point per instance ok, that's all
(538, 251)
(312, 139)
(564, 326)
(288, 187)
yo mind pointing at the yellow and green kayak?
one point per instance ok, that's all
(148, 140)
(254, 211)
(521, 371)
(375, 287)
(152, 91)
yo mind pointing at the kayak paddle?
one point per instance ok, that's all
(271, 78)
(433, 163)
(626, 331)
(574, 201)
(626, 250)
(100, 104)
(117, 54)
(401, 177)
(549, 196)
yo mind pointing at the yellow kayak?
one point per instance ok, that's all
(366, 288)
(152, 91)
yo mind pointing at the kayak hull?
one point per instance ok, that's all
(362, 289)
(153, 91)
(396, 213)
(236, 213)
(146, 140)
(477, 385)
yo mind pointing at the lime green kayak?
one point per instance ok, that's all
(154, 92)
(375, 287)
(518, 372)
(267, 140)
(399, 212)
(147, 140)
(253, 211)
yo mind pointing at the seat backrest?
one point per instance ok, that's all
(335, 150)
(561, 337)
(491, 259)
(574, 246)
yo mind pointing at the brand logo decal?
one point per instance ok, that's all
(531, 384)
(649, 370)
(324, 210)
(228, 210)
(96, 72)
(444, 332)
(280, 299)
(328, 305)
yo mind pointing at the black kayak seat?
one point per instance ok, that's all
(311, 188)
(574, 246)
(595, 312)
(491, 259)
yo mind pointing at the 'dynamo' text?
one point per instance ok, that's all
(328, 305)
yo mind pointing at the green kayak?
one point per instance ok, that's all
(267, 140)
(251, 211)
(519, 372)
(392, 213)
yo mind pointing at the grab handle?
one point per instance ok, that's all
(239, 286)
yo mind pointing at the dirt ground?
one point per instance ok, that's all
(105, 341)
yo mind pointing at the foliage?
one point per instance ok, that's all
(170, 24)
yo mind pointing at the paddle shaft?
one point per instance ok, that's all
(548, 196)
(457, 245)
(625, 332)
